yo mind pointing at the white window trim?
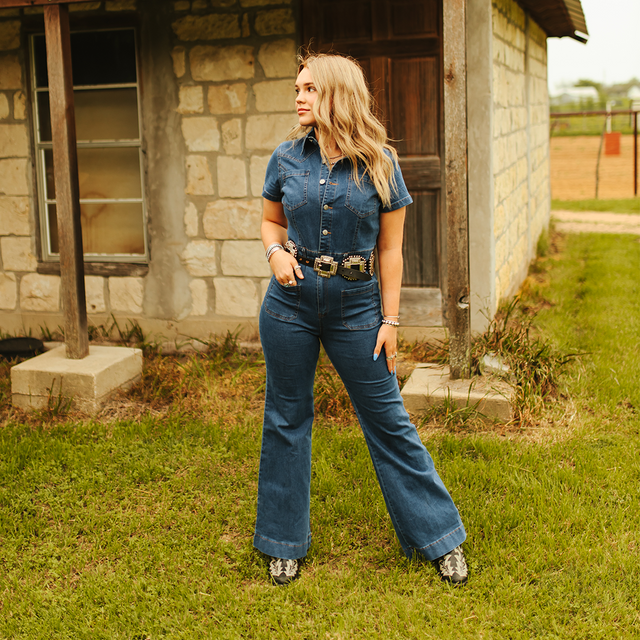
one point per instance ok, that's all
(41, 147)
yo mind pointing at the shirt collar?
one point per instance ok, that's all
(310, 140)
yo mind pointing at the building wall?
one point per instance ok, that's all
(520, 142)
(217, 99)
(217, 86)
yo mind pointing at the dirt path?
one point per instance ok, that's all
(596, 222)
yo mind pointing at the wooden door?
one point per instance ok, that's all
(398, 44)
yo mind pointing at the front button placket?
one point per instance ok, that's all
(327, 197)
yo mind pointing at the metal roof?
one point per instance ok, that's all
(558, 17)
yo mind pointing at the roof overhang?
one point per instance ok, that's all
(558, 18)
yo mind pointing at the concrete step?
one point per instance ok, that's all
(429, 385)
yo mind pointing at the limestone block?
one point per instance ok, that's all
(244, 258)
(181, 5)
(232, 177)
(215, 26)
(10, 73)
(246, 29)
(217, 64)
(191, 100)
(516, 84)
(275, 95)
(233, 219)
(17, 254)
(199, 5)
(201, 134)
(199, 297)
(199, 181)
(39, 292)
(278, 59)
(120, 5)
(257, 172)
(33, 10)
(514, 59)
(236, 297)
(14, 216)
(223, 3)
(4, 107)
(499, 220)
(232, 137)
(13, 140)
(8, 291)
(94, 291)
(84, 6)
(19, 106)
(9, 13)
(501, 250)
(126, 294)
(191, 220)
(199, 258)
(267, 132)
(264, 286)
(227, 98)
(274, 22)
(179, 61)
(9, 35)
(13, 177)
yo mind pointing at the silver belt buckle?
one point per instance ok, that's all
(325, 266)
(357, 263)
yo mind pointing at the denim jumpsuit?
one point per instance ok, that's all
(328, 214)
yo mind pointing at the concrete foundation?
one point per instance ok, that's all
(86, 383)
(429, 385)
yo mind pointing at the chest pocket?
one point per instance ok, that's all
(294, 189)
(362, 200)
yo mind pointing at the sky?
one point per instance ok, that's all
(612, 53)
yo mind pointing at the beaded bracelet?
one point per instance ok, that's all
(391, 323)
(271, 249)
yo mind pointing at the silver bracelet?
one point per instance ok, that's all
(391, 323)
(271, 249)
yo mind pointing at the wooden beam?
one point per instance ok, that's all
(65, 162)
(5, 4)
(457, 208)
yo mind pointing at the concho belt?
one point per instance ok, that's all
(353, 267)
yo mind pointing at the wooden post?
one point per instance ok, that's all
(65, 160)
(457, 208)
(635, 153)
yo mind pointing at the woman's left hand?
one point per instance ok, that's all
(387, 338)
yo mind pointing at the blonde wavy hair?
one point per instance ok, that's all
(343, 112)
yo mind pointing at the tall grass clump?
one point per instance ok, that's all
(534, 365)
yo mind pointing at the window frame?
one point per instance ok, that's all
(47, 255)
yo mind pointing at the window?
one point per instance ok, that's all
(109, 146)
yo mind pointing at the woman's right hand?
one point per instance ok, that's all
(285, 268)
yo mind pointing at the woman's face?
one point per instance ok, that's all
(305, 99)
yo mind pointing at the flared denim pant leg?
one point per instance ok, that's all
(291, 353)
(422, 511)
(423, 514)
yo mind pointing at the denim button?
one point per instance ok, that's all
(326, 206)
(322, 181)
(325, 232)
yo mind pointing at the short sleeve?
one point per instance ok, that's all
(272, 189)
(399, 195)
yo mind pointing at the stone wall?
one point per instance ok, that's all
(520, 142)
(236, 102)
(229, 79)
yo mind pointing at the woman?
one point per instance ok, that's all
(333, 193)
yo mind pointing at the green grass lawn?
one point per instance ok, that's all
(138, 525)
(624, 205)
